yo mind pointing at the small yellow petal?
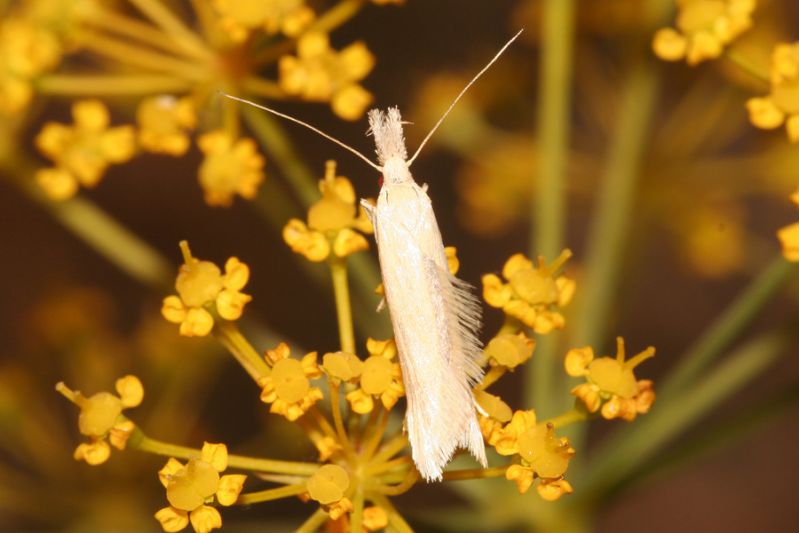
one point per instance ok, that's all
(94, 453)
(172, 519)
(205, 519)
(577, 360)
(789, 239)
(59, 184)
(215, 455)
(130, 390)
(764, 114)
(230, 487)
(669, 45)
(198, 323)
(173, 309)
(172, 467)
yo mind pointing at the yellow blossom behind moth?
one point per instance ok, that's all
(435, 315)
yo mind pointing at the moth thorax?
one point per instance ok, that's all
(395, 170)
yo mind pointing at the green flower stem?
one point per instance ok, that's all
(341, 290)
(407, 482)
(746, 307)
(338, 422)
(262, 88)
(356, 517)
(140, 441)
(380, 467)
(172, 26)
(391, 448)
(271, 494)
(105, 85)
(568, 418)
(373, 440)
(230, 336)
(637, 443)
(131, 28)
(549, 199)
(313, 523)
(475, 473)
(395, 519)
(747, 66)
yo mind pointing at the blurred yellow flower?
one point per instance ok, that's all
(781, 105)
(375, 518)
(320, 74)
(704, 27)
(288, 388)
(532, 294)
(332, 222)
(81, 152)
(611, 384)
(231, 166)
(200, 285)
(380, 377)
(789, 235)
(164, 124)
(191, 486)
(101, 418)
(240, 17)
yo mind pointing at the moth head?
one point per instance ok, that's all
(387, 130)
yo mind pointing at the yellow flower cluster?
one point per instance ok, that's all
(231, 166)
(328, 486)
(379, 377)
(704, 27)
(541, 454)
(101, 418)
(190, 487)
(203, 288)
(165, 123)
(781, 105)
(531, 294)
(288, 388)
(82, 152)
(332, 222)
(789, 235)
(610, 383)
(238, 18)
(320, 74)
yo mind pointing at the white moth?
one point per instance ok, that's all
(435, 315)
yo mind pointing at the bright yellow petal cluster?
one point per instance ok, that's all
(320, 74)
(202, 286)
(238, 18)
(101, 418)
(328, 486)
(531, 294)
(191, 486)
(703, 28)
(164, 124)
(230, 166)
(288, 388)
(542, 455)
(26, 50)
(332, 222)
(380, 378)
(610, 382)
(781, 105)
(789, 235)
(81, 152)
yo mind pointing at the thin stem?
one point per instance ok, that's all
(341, 290)
(492, 376)
(402, 487)
(174, 27)
(378, 468)
(569, 417)
(324, 424)
(271, 494)
(377, 435)
(255, 86)
(229, 335)
(475, 473)
(747, 66)
(100, 85)
(139, 441)
(313, 523)
(120, 24)
(338, 422)
(394, 517)
(391, 448)
(356, 517)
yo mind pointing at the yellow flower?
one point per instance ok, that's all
(164, 122)
(191, 486)
(509, 350)
(101, 418)
(789, 235)
(230, 166)
(495, 415)
(380, 377)
(320, 74)
(328, 486)
(704, 27)
(342, 366)
(200, 285)
(781, 105)
(288, 387)
(531, 294)
(611, 384)
(26, 50)
(541, 454)
(374, 518)
(82, 152)
(240, 17)
(332, 222)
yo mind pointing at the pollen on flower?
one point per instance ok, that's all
(164, 124)
(532, 294)
(703, 28)
(81, 152)
(200, 286)
(380, 378)
(230, 166)
(288, 388)
(101, 418)
(611, 385)
(335, 222)
(320, 74)
(781, 105)
(190, 487)
(240, 17)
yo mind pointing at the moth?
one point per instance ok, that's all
(435, 316)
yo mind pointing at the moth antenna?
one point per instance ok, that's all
(312, 128)
(463, 91)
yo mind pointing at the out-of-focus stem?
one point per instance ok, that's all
(341, 290)
(314, 522)
(231, 337)
(271, 494)
(100, 85)
(475, 473)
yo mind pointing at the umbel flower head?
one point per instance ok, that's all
(203, 288)
(379, 378)
(288, 388)
(704, 27)
(165, 123)
(334, 222)
(781, 105)
(789, 235)
(231, 166)
(532, 294)
(191, 487)
(101, 418)
(610, 383)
